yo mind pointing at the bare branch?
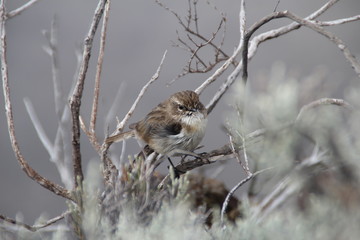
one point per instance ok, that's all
(75, 100)
(234, 189)
(320, 102)
(255, 42)
(38, 127)
(58, 152)
(190, 25)
(114, 106)
(110, 167)
(121, 125)
(220, 70)
(35, 228)
(91, 132)
(237, 155)
(52, 50)
(332, 37)
(19, 10)
(304, 22)
(337, 22)
(99, 69)
(10, 120)
(285, 29)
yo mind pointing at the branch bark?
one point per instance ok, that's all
(19, 10)
(253, 46)
(75, 101)
(34, 228)
(57, 189)
(99, 69)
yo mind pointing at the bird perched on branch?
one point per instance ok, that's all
(174, 127)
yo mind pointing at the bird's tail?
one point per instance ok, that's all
(120, 137)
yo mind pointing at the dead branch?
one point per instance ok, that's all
(234, 189)
(221, 70)
(56, 151)
(190, 25)
(52, 50)
(99, 68)
(321, 102)
(36, 227)
(257, 40)
(50, 148)
(111, 114)
(121, 125)
(254, 43)
(337, 21)
(90, 132)
(75, 100)
(111, 168)
(59, 190)
(19, 10)
(332, 37)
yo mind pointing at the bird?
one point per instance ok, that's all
(174, 127)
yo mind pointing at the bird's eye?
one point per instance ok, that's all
(181, 107)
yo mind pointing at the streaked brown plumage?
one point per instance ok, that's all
(175, 126)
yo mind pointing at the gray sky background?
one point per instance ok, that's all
(138, 34)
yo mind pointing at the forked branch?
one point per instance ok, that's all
(75, 100)
(59, 190)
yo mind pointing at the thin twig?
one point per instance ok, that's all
(304, 22)
(187, 28)
(38, 127)
(237, 155)
(59, 190)
(255, 42)
(91, 131)
(321, 102)
(332, 37)
(337, 21)
(234, 189)
(235, 73)
(19, 10)
(190, 25)
(114, 106)
(121, 125)
(226, 64)
(36, 227)
(276, 6)
(50, 148)
(246, 158)
(52, 50)
(75, 100)
(58, 151)
(285, 29)
(99, 68)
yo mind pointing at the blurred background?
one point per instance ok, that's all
(138, 34)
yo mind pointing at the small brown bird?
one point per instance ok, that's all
(176, 126)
